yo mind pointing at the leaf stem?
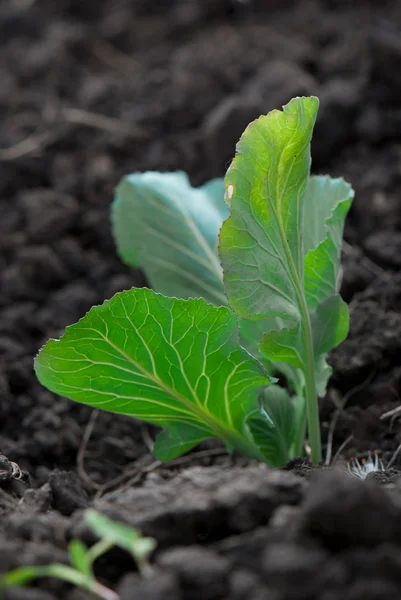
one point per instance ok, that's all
(297, 447)
(97, 550)
(312, 405)
(243, 443)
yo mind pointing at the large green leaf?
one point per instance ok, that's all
(165, 361)
(170, 230)
(261, 243)
(281, 247)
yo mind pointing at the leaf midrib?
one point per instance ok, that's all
(214, 423)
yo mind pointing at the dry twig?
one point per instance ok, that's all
(110, 124)
(340, 407)
(32, 143)
(341, 448)
(131, 476)
(81, 453)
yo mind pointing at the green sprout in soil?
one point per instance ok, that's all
(80, 573)
(246, 277)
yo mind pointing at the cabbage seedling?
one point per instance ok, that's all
(80, 573)
(247, 271)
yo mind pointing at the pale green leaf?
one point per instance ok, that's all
(162, 360)
(177, 440)
(170, 230)
(330, 322)
(323, 195)
(119, 534)
(275, 442)
(327, 202)
(323, 373)
(283, 346)
(151, 213)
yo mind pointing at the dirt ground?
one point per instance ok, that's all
(90, 91)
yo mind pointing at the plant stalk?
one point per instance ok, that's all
(312, 404)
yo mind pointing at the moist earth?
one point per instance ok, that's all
(91, 91)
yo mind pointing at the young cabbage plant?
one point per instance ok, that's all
(80, 571)
(185, 360)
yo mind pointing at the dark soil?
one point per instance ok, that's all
(90, 91)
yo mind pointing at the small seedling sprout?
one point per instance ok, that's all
(82, 559)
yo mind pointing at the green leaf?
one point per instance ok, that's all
(327, 202)
(281, 246)
(20, 576)
(330, 322)
(78, 554)
(275, 442)
(70, 575)
(162, 360)
(170, 230)
(23, 575)
(177, 440)
(105, 529)
(121, 535)
(284, 346)
(261, 244)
